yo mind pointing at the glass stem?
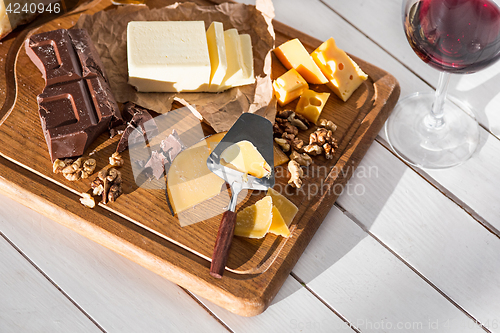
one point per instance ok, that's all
(435, 118)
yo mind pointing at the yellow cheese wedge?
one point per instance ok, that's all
(343, 74)
(278, 225)
(293, 54)
(217, 52)
(254, 221)
(311, 104)
(279, 156)
(289, 86)
(286, 208)
(246, 158)
(189, 181)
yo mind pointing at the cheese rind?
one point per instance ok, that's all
(293, 54)
(286, 208)
(245, 157)
(289, 86)
(217, 52)
(189, 181)
(311, 104)
(344, 75)
(254, 221)
(168, 56)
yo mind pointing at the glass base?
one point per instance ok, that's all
(413, 137)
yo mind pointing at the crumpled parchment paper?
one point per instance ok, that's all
(108, 30)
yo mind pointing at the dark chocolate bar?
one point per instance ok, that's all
(76, 105)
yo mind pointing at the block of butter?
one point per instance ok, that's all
(168, 56)
(343, 74)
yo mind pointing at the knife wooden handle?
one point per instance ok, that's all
(222, 244)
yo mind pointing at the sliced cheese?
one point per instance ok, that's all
(278, 225)
(289, 86)
(343, 74)
(217, 52)
(286, 208)
(168, 56)
(189, 181)
(239, 60)
(293, 54)
(311, 104)
(247, 56)
(245, 157)
(254, 221)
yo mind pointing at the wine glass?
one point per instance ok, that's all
(454, 36)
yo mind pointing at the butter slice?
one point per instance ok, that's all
(247, 57)
(293, 54)
(217, 52)
(246, 158)
(343, 74)
(289, 86)
(254, 221)
(237, 71)
(278, 225)
(286, 208)
(168, 56)
(311, 104)
(189, 181)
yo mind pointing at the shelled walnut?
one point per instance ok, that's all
(116, 160)
(296, 174)
(107, 184)
(74, 170)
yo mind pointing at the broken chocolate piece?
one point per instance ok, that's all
(172, 145)
(157, 163)
(76, 105)
(141, 126)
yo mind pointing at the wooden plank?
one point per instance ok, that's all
(370, 286)
(30, 303)
(294, 309)
(359, 121)
(429, 231)
(118, 294)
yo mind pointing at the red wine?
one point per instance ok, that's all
(457, 36)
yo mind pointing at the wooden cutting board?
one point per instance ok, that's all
(139, 224)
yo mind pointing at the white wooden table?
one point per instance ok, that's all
(403, 250)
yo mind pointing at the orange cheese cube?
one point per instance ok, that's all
(311, 104)
(289, 86)
(293, 54)
(343, 74)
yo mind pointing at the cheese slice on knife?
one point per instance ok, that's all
(245, 157)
